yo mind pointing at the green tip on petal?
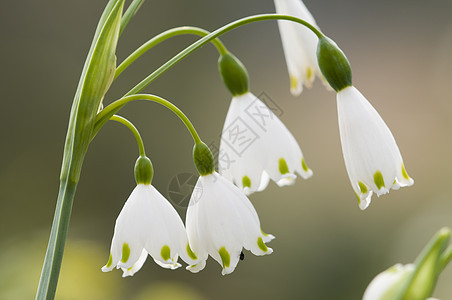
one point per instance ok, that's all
(261, 245)
(191, 253)
(293, 82)
(246, 182)
(309, 73)
(378, 179)
(125, 253)
(110, 261)
(362, 187)
(404, 173)
(225, 257)
(263, 233)
(283, 168)
(304, 165)
(359, 198)
(166, 252)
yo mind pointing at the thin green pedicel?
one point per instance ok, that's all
(165, 253)
(110, 261)
(125, 253)
(283, 168)
(225, 257)
(362, 187)
(378, 179)
(191, 253)
(246, 182)
(404, 173)
(304, 165)
(261, 244)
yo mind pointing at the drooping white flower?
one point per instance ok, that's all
(299, 44)
(372, 158)
(256, 146)
(220, 222)
(148, 224)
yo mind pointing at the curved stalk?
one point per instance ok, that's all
(134, 130)
(201, 42)
(164, 36)
(114, 107)
(130, 12)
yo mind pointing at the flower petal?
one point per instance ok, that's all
(372, 157)
(221, 222)
(256, 146)
(299, 45)
(148, 223)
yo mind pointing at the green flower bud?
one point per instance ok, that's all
(428, 266)
(203, 158)
(144, 171)
(413, 281)
(333, 64)
(233, 73)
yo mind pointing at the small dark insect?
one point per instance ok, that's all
(242, 256)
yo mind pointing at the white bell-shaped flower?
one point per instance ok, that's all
(148, 224)
(256, 146)
(220, 222)
(372, 158)
(299, 44)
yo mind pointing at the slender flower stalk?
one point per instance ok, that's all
(183, 30)
(214, 34)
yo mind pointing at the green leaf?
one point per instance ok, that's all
(95, 80)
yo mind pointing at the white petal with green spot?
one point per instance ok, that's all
(147, 224)
(273, 152)
(371, 155)
(221, 223)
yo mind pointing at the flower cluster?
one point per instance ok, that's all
(255, 147)
(220, 222)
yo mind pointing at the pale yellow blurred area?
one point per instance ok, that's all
(325, 247)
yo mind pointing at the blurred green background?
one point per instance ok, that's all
(325, 247)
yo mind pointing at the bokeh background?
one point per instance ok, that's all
(326, 248)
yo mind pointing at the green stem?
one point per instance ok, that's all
(201, 42)
(164, 36)
(131, 11)
(134, 130)
(54, 255)
(114, 107)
